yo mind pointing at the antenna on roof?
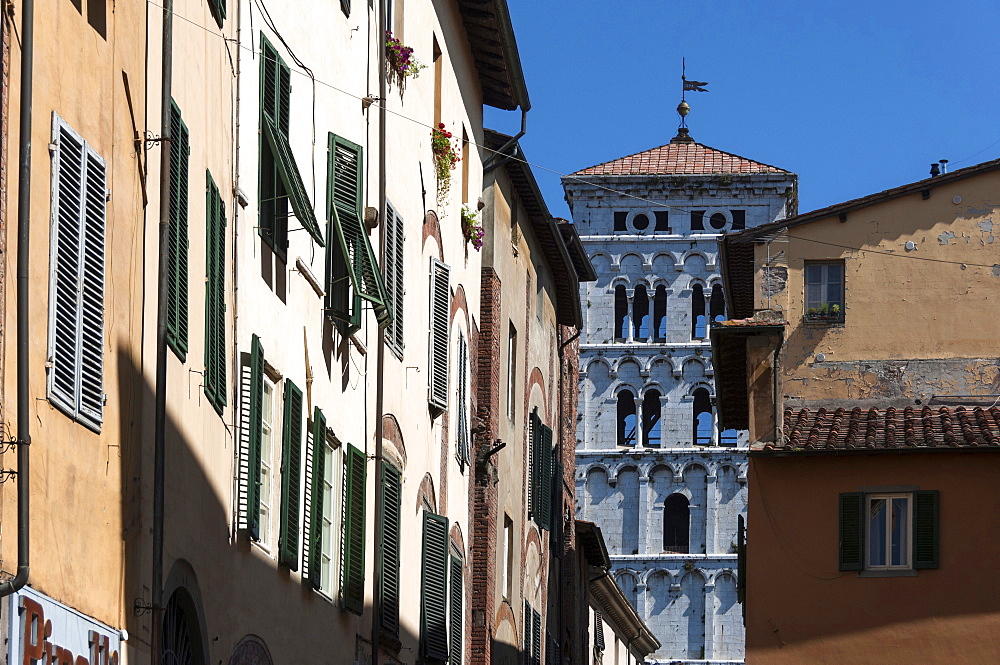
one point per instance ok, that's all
(683, 109)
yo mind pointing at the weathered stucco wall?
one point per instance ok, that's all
(920, 284)
(802, 609)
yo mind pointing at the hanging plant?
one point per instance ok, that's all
(446, 157)
(400, 61)
(472, 228)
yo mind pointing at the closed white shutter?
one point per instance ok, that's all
(440, 307)
(76, 289)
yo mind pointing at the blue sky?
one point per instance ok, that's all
(855, 97)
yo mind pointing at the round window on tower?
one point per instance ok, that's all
(640, 222)
(718, 221)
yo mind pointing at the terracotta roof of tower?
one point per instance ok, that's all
(680, 158)
(910, 428)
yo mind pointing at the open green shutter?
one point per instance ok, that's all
(391, 488)
(218, 9)
(315, 545)
(534, 434)
(527, 633)
(345, 6)
(291, 470)
(215, 296)
(345, 190)
(433, 588)
(536, 638)
(353, 555)
(288, 171)
(851, 531)
(925, 529)
(544, 460)
(456, 612)
(256, 433)
(440, 311)
(177, 236)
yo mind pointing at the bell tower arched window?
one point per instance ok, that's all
(626, 418)
(717, 304)
(702, 418)
(660, 313)
(676, 524)
(640, 313)
(651, 418)
(699, 324)
(621, 313)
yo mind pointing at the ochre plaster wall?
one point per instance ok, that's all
(802, 609)
(935, 304)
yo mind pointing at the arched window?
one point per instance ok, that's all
(640, 313)
(660, 313)
(621, 313)
(626, 418)
(702, 418)
(717, 304)
(698, 323)
(676, 524)
(729, 438)
(651, 418)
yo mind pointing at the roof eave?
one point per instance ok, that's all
(494, 16)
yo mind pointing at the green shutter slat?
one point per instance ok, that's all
(391, 488)
(393, 267)
(544, 517)
(456, 613)
(269, 66)
(218, 9)
(851, 531)
(536, 638)
(534, 435)
(345, 187)
(353, 555)
(527, 633)
(215, 297)
(925, 529)
(291, 469)
(315, 545)
(288, 171)
(256, 434)
(440, 307)
(177, 236)
(433, 588)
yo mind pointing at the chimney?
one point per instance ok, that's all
(935, 169)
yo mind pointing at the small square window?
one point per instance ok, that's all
(824, 286)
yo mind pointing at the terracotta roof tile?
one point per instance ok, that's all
(680, 158)
(911, 428)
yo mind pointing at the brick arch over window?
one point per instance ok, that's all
(459, 302)
(505, 613)
(392, 433)
(458, 539)
(425, 494)
(432, 229)
(536, 379)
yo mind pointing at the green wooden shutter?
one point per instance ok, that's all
(392, 490)
(852, 531)
(273, 225)
(456, 612)
(291, 470)
(462, 379)
(536, 638)
(177, 237)
(288, 171)
(925, 529)
(215, 296)
(440, 308)
(353, 555)
(433, 588)
(345, 6)
(534, 434)
(544, 517)
(345, 192)
(256, 434)
(392, 265)
(599, 631)
(218, 9)
(527, 633)
(556, 522)
(315, 545)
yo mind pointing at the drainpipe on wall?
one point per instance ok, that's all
(380, 339)
(160, 396)
(23, 237)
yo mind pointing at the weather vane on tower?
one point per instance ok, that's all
(683, 109)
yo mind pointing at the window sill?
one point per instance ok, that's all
(888, 573)
(821, 322)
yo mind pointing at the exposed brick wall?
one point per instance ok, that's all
(573, 611)
(483, 522)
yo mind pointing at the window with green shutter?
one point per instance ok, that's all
(393, 266)
(218, 9)
(388, 532)
(352, 579)
(925, 529)
(886, 532)
(280, 181)
(316, 563)
(177, 236)
(215, 296)
(440, 310)
(75, 381)
(532, 636)
(291, 470)
(350, 254)
(250, 481)
(540, 471)
(434, 588)
(456, 611)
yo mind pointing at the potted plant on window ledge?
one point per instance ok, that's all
(400, 62)
(472, 228)
(824, 312)
(446, 158)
